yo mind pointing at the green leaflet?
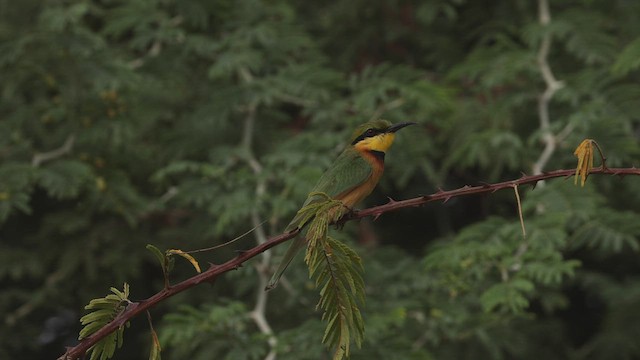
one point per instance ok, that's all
(510, 295)
(337, 271)
(104, 311)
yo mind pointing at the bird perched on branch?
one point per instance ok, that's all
(351, 178)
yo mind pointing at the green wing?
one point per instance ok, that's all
(348, 171)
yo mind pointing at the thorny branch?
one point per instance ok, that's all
(136, 308)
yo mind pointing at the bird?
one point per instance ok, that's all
(350, 179)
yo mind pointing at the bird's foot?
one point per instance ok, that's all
(346, 215)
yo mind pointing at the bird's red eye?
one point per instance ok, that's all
(369, 132)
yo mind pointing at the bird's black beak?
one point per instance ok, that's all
(395, 127)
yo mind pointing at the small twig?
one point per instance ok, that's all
(156, 341)
(26, 308)
(228, 242)
(150, 321)
(524, 231)
(522, 249)
(602, 157)
(171, 193)
(156, 47)
(66, 148)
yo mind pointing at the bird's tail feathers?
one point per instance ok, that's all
(294, 248)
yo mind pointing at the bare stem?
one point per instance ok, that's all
(602, 157)
(524, 230)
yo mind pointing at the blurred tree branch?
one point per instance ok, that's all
(552, 86)
(136, 308)
(66, 148)
(258, 314)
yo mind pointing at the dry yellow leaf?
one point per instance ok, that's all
(190, 258)
(584, 153)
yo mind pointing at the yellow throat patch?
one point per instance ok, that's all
(380, 142)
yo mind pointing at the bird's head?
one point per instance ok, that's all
(376, 135)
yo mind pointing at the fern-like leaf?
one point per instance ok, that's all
(337, 271)
(511, 295)
(105, 310)
(628, 60)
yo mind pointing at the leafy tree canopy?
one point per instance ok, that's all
(186, 123)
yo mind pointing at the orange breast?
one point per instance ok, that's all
(354, 196)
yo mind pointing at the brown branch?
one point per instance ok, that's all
(485, 188)
(136, 308)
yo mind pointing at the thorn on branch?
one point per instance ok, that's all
(131, 305)
(534, 184)
(620, 174)
(444, 201)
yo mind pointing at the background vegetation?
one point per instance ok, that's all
(186, 123)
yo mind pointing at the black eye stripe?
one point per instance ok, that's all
(366, 134)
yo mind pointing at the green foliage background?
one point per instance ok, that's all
(153, 98)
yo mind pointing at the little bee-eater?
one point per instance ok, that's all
(351, 178)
